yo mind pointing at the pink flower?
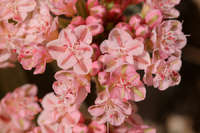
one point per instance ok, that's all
(124, 83)
(119, 49)
(41, 27)
(56, 109)
(110, 110)
(168, 37)
(16, 9)
(34, 56)
(71, 86)
(72, 49)
(166, 73)
(57, 116)
(19, 108)
(63, 7)
(166, 7)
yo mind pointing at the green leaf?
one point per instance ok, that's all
(81, 8)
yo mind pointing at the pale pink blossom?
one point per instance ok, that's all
(41, 27)
(72, 49)
(34, 56)
(166, 73)
(168, 37)
(10, 40)
(124, 83)
(72, 87)
(166, 7)
(16, 9)
(110, 110)
(57, 117)
(141, 62)
(53, 109)
(119, 49)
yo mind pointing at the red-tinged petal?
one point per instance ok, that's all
(40, 68)
(102, 98)
(115, 118)
(72, 118)
(66, 60)
(49, 101)
(84, 51)
(55, 48)
(109, 47)
(82, 94)
(139, 93)
(83, 66)
(161, 84)
(111, 62)
(96, 110)
(83, 34)
(68, 37)
(125, 106)
(5, 13)
(119, 36)
(142, 62)
(63, 74)
(174, 63)
(95, 29)
(135, 47)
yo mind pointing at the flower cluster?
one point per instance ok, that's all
(91, 41)
(18, 109)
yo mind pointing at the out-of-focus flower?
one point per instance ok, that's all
(16, 9)
(18, 109)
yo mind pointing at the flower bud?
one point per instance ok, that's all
(98, 11)
(96, 67)
(135, 21)
(153, 18)
(77, 21)
(93, 19)
(142, 30)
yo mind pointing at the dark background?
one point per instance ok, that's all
(175, 106)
